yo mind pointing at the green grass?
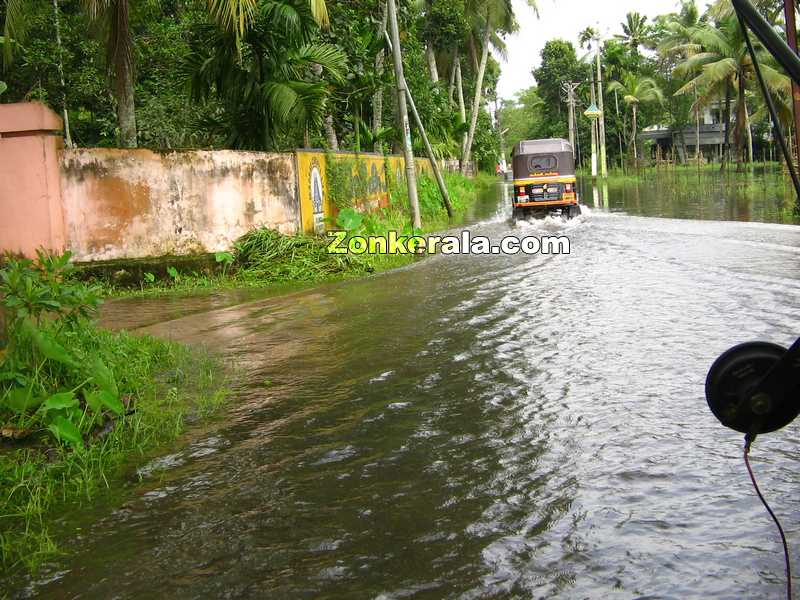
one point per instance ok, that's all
(79, 404)
(165, 385)
(689, 169)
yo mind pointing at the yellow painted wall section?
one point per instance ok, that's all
(311, 189)
(370, 178)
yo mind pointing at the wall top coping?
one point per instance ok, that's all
(22, 117)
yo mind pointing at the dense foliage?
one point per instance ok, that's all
(256, 74)
(666, 71)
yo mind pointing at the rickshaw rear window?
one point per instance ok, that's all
(544, 162)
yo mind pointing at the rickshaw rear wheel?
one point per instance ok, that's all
(573, 211)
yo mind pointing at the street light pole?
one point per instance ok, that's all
(593, 113)
(601, 122)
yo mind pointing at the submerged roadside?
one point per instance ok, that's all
(79, 406)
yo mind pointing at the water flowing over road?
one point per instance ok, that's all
(475, 426)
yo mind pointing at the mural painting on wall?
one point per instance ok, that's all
(375, 188)
(361, 180)
(317, 195)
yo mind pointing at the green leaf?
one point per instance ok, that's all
(47, 345)
(103, 377)
(173, 272)
(93, 400)
(349, 219)
(111, 402)
(3, 87)
(224, 257)
(20, 400)
(149, 277)
(66, 431)
(60, 401)
(99, 400)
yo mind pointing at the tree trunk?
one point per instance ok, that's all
(726, 146)
(697, 134)
(462, 111)
(57, 22)
(432, 68)
(126, 112)
(452, 86)
(682, 139)
(476, 104)
(330, 133)
(633, 139)
(377, 98)
(473, 53)
(327, 122)
(749, 129)
(411, 172)
(741, 122)
(121, 57)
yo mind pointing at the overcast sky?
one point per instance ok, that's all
(564, 19)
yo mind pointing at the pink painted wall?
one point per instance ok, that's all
(31, 215)
(139, 203)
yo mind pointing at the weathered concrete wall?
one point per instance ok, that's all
(139, 203)
(108, 204)
(30, 206)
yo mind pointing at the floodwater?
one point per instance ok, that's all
(475, 427)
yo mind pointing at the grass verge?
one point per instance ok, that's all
(79, 405)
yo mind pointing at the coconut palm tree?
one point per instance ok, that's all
(492, 18)
(586, 37)
(677, 41)
(724, 68)
(635, 91)
(278, 84)
(635, 31)
(112, 17)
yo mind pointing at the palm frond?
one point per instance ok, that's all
(13, 29)
(329, 57)
(320, 11)
(233, 16)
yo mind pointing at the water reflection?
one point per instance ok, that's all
(763, 194)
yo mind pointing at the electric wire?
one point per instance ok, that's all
(747, 444)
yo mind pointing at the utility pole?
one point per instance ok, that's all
(594, 109)
(411, 172)
(434, 162)
(601, 122)
(571, 99)
(791, 37)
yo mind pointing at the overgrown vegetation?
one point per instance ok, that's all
(266, 257)
(76, 402)
(256, 74)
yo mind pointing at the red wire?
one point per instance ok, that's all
(774, 518)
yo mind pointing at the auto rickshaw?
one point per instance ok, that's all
(544, 179)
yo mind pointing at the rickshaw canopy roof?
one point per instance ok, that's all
(548, 146)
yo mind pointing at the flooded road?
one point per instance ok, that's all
(473, 427)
